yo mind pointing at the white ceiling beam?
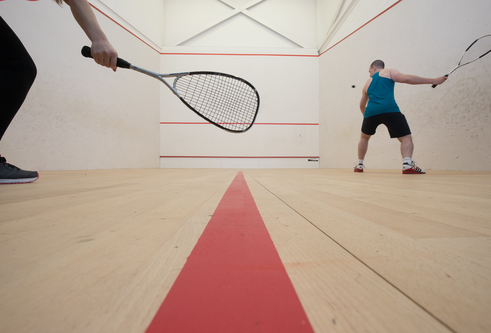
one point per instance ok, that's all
(235, 11)
(335, 18)
(337, 23)
(276, 29)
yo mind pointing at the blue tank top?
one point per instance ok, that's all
(380, 96)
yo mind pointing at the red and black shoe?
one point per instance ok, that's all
(412, 169)
(359, 168)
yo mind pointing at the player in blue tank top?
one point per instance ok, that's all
(380, 96)
(379, 106)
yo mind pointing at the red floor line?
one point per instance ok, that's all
(234, 280)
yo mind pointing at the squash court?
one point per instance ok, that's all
(147, 218)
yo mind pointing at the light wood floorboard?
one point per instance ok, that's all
(97, 251)
(425, 237)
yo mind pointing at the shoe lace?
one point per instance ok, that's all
(413, 166)
(410, 165)
(3, 161)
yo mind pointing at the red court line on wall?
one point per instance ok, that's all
(234, 280)
(246, 54)
(362, 26)
(201, 54)
(205, 123)
(141, 40)
(211, 54)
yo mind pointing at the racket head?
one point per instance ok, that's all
(478, 49)
(226, 101)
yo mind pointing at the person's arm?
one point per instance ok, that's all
(364, 97)
(396, 76)
(102, 51)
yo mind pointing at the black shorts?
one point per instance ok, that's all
(395, 121)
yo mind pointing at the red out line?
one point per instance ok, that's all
(183, 123)
(288, 124)
(205, 123)
(245, 54)
(233, 280)
(313, 157)
(361, 27)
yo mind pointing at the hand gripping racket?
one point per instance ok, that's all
(478, 49)
(226, 101)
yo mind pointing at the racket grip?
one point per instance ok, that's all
(433, 86)
(120, 62)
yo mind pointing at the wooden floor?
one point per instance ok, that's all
(97, 251)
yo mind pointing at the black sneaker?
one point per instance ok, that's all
(10, 174)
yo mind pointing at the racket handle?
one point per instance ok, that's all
(433, 86)
(120, 62)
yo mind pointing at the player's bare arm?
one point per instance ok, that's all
(102, 51)
(364, 97)
(397, 76)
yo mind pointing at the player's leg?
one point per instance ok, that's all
(407, 148)
(368, 128)
(363, 146)
(399, 128)
(362, 151)
(17, 73)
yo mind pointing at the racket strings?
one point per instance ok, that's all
(223, 100)
(476, 50)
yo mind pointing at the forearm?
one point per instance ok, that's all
(362, 108)
(85, 17)
(102, 51)
(364, 100)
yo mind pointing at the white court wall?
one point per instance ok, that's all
(142, 18)
(71, 120)
(286, 130)
(450, 124)
(79, 115)
(272, 45)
